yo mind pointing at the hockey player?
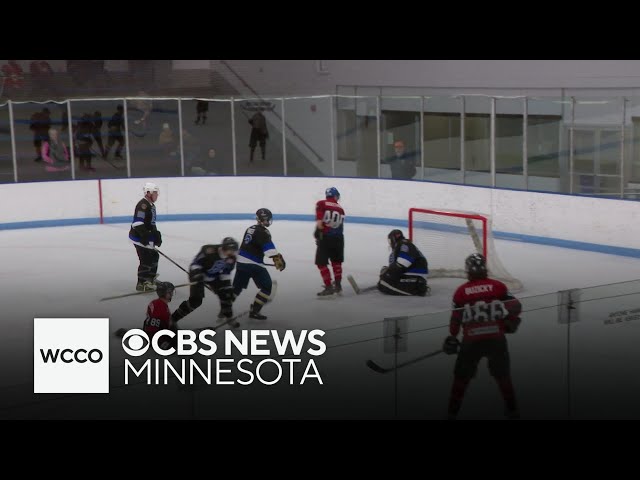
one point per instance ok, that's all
(145, 236)
(330, 241)
(408, 268)
(256, 244)
(212, 266)
(158, 314)
(485, 310)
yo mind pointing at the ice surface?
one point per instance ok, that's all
(64, 271)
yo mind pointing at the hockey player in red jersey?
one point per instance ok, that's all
(330, 241)
(485, 311)
(158, 313)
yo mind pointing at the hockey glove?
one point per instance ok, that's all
(279, 262)
(451, 345)
(158, 242)
(317, 234)
(511, 324)
(144, 239)
(392, 274)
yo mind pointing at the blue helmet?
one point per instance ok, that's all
(332, 192)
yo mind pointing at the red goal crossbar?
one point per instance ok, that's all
(466, 216)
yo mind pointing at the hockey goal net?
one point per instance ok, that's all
(448, 237)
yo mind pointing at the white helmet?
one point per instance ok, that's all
(150, 187)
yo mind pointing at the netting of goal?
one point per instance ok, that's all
(448, 237)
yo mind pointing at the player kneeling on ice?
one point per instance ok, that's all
(256, 244)
(485, 310)
(158, 315)
(212, 267)
(407, 271)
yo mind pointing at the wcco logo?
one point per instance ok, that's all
(81, 355)
(71, 355)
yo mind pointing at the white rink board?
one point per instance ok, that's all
(565, 217)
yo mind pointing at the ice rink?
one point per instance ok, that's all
(64, 271)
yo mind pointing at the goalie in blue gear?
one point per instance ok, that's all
(408, 268)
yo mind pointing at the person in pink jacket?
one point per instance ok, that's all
(55, 153)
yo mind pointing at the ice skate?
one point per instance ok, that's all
(327, 292)
(254, 312)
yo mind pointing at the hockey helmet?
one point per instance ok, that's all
(476, 266)
(230, 244)
(332, 192)
(150, 187)
(394, 237)
(264, 217)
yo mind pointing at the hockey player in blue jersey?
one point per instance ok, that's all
(257, 244)
(145, 237)
(212, 267)
(408, 268)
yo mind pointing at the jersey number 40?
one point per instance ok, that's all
(332, 219)
(484, 312)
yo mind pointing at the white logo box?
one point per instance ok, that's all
(81, 350)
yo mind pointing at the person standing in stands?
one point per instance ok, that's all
(40, 125)
(403, 165)
(97, 131)
(84, 140)
(202, 108)
(259, 133)
(116, 127)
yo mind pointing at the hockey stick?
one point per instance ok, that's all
(142, 293)
(377, 368)
(181, 268)
(357, 289)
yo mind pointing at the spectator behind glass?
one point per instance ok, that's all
(55, 153)
(403, 165)
(97, 131)
(205, 166)
(40, 125)
(167, 140)
(259, 133)
(116, 127)
(201, 112)
(84, 140)
(144, 107)
(13, 78)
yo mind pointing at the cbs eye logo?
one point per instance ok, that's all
(135, 342)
